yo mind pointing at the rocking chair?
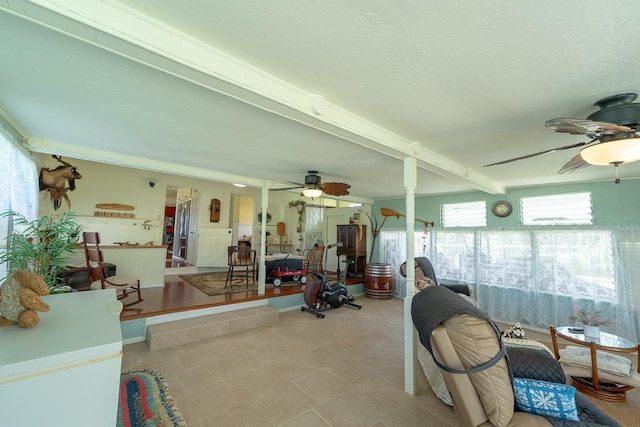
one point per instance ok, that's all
(97, 271)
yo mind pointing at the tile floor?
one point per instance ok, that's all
(344, 370)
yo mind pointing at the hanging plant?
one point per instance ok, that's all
(300, 206)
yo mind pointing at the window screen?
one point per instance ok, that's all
(470, 214)
(558, 209)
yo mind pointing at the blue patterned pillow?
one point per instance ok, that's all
(545, 398)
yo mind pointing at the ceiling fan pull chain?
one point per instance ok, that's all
(615, 164)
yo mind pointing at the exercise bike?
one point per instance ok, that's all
(320, 295)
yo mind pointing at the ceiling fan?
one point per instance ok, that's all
(613, 131)
(314, 187)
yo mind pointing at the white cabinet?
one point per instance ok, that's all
(66, 371)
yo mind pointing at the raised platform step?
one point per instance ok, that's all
(173, 334)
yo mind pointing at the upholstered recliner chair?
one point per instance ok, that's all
(461, 338)
(424, 270)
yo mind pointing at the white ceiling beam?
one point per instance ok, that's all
(39, 145)
(123, 30)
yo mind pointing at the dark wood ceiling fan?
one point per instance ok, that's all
(612, 130)
(313, 181)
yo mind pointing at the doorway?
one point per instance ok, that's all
(181, 226)
(242, 210)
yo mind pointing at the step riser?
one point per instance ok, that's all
(176, 333)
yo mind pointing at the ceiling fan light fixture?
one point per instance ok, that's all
(618, 151)
(312, 193)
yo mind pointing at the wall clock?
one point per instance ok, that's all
(260, 217)
(501, 209)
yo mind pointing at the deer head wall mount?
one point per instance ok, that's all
(56, 180)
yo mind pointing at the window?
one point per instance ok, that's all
(505, 259)
(537, 276)
(559, 209)
(470, 214)
(313, 217)
(455, 255)
(19, 192)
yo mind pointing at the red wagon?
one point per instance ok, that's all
(298, 275)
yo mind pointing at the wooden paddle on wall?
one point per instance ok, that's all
(115, 206)
(391, 212)
(281, 228)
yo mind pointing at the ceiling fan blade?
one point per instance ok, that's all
(585, 127)
(577, 162)
(286, 188)
(336, 188)
(314, 181)
(539, 153)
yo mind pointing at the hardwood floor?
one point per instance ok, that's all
(176, 262)
(177, 295)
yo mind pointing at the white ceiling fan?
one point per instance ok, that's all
(314, 187)
(613, 132)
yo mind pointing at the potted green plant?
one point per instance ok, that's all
(591, 320)
(42, 246)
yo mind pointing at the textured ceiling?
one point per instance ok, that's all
(471, 82)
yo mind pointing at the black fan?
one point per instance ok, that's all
(314, 181)
(613, 129)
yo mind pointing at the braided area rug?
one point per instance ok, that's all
(145, 401)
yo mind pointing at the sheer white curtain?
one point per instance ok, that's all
(393, 250)
(18, 186)
(627, 272)
(538, 276)
(313, 219)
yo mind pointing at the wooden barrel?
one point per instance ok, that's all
(378, 281)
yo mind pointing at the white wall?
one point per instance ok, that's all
(103, 183)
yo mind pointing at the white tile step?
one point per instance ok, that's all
(178, 332)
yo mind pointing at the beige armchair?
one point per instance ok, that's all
(462, 338)
(484, 398)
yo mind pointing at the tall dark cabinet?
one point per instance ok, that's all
(354, 247)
